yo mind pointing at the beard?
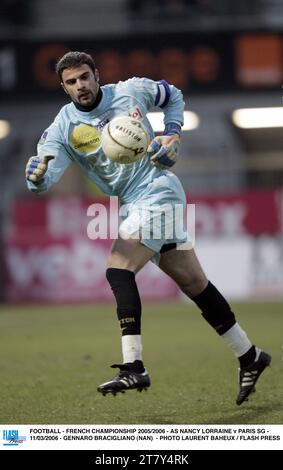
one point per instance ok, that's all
(86, 98)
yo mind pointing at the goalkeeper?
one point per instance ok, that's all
(144, 185)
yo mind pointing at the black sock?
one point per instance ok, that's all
(215, 309)
(248, 358)
(128, 300)
(136, 366)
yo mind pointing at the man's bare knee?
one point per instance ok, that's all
(128, 254)
(194, 287)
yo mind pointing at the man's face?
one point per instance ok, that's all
(81, 84)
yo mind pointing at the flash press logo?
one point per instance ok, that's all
(11, 437)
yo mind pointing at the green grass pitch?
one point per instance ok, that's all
(53, 358)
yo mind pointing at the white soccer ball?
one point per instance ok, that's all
(124, 139)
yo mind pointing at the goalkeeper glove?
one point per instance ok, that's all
(165, 148)
(36, 168)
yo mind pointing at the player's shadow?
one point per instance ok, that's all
(247, 412)
(240, 415)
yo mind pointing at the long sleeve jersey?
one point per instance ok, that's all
(76, 136)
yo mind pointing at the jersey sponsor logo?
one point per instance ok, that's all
(85, 139)
(135, 113)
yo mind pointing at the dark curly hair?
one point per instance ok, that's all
(72, 60)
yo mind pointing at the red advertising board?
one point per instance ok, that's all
(71, 270)
(50, 257)
(251, 213)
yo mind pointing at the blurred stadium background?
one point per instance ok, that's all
(226, 56)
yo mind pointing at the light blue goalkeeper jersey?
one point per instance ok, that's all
(75, 136)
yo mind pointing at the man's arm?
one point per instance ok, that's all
(45, 169)
(164, 149)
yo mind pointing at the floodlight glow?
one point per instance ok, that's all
(191, 121)
(258, 118)
(5, 129)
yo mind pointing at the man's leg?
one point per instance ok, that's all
(184, 268)
(126, 258)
